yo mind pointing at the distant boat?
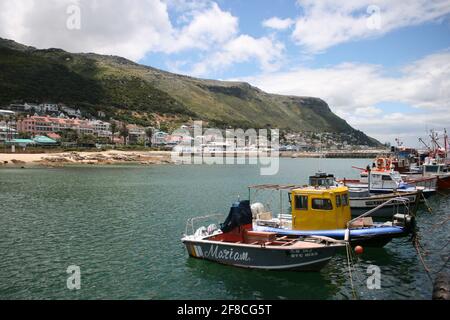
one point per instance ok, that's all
(361, 201)
(236, 244)
(432, 169)
(389, 181)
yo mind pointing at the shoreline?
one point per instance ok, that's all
(60, 159)
(111, 157)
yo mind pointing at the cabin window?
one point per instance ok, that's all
(338, 201)
(322, 204)
(344, 199)
(386, 178)
(433, 169)
(301, 202)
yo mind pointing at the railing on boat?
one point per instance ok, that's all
(191, 221)
(399, 200)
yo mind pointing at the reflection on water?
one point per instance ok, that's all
(239, 283)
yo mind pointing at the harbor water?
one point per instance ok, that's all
(122, 226)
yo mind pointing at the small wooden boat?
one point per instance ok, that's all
(236, 244)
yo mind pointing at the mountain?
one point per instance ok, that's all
(141, 94)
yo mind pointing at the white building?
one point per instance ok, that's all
(32, 106)
(102, 129)
(7, 133)
(7, 113)
(159, 138)
(71, 112)
(49, 107)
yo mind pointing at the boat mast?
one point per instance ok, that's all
(446, 145)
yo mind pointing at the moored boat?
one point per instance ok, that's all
(322, 211)
(432, 169)
(362, 200)
(388, 181)
(236, 244)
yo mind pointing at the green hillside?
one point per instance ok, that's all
(136, 93)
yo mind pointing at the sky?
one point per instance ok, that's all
(384, 66)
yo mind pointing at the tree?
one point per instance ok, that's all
(149, 134)
(124, 133)
(86, 140)
(113, 130)
(24, 135)
(69, 135)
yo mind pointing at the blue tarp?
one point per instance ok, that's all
(44, 140)
(22, 142)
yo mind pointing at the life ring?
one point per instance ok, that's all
(388, 164)
(380, 163)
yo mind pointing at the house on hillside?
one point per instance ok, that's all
(7, 133)
(49, 107)
(17, 107)
(136, 134)
(159, 138)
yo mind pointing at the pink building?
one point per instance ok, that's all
(37, 125)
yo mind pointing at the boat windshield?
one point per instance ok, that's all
(432, 168)
(323, 182)
(396, 177)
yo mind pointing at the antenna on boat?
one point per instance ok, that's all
(320, 153)
(446, 144)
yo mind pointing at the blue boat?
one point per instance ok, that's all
(374, 236)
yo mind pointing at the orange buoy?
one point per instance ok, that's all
(359, 250)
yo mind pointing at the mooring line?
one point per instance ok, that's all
(417, 245)
(426, 203)
(348, 249)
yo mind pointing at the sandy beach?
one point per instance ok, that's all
(91, 158)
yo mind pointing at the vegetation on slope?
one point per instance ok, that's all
(135, 93)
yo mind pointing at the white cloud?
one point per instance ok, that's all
(277, 23)
(268, 52)
(328, 23)
(368, 111)
(208, 27)
(354, 91)
(132, 29)
(127, 28)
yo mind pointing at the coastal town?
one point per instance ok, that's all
(227, 158)
(48, 125)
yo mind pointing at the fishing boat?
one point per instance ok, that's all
(432, 169)
(434, 164)
(362, 200)
(378, 180)
(236, 244)
(325, 211)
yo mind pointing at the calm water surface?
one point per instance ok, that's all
(122, 225)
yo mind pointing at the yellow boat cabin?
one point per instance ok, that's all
(320, 208)
(311, 207)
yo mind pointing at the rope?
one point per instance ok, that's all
(417, 246)
(426, 203)
(349, 263)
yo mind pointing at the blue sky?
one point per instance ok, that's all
(384, 66)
